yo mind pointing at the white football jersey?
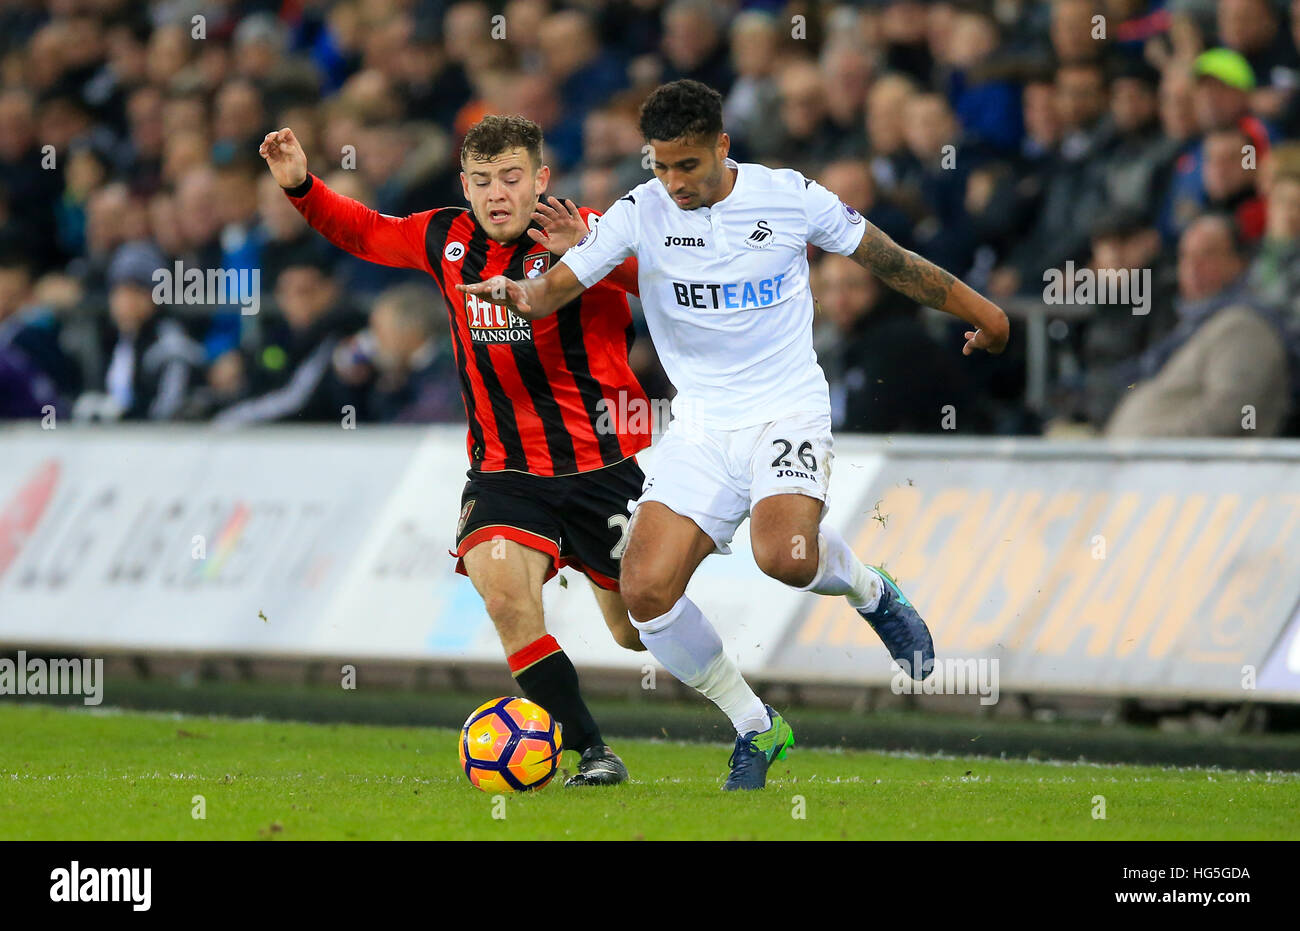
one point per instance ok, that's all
(725, 289)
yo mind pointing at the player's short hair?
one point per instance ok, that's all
(492, 135)
(683, 109)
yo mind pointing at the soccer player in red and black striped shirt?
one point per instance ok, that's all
(552, 465)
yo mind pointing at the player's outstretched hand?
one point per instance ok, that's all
(982, 339)
(562, 226)
(285, 157)
(500, 290)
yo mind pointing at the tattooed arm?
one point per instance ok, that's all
(927, 283)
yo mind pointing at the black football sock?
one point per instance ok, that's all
(548, 678)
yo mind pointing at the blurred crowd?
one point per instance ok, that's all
(999, 139)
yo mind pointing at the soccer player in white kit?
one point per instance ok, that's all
(723, 273)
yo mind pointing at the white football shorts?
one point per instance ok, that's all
(714, 476)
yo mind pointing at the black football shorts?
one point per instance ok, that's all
(578, 520)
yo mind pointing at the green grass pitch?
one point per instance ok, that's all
(77, 775)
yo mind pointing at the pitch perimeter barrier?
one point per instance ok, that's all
(1139, 568)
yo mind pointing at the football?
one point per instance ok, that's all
(510, 745)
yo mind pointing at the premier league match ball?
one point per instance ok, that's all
(509, 745)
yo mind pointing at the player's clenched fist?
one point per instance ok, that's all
(285, 157)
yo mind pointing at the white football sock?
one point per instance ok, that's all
(840, 572)
(686, 644)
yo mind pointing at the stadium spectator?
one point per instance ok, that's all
(87, 168)
(1074, 35)
(238, 119)
(886, 135)
(1072, 194)
(1140, 160)
(886, 374)
(433, 86)
(1274, 274)
(904, 34)
(32, 191)
(284, 236)
(846, 77)
(751, 106)
(117, 126)
(113, 217)
(152, 362)
(259, 45)
(1222, 370)
(401, 369)
(1223, 180)
(1275, 270)
(1093, 377)
(36, 371)
(584, 76)
(979, 88)
(851, 179)
(289, 373)
(932, 184)
(142, 155)
(241, 248)
(125, 65)
(692, 45)
(1042, 118)
(1224, 82)
(804, 136)
(1252, 28)
(1280, 103)
(1229, 177)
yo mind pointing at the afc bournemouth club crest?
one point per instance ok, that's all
(464, 516)
(536, 265)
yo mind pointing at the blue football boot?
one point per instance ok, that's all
(901, 628)
(755, 752)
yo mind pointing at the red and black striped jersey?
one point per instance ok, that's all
(546, 396)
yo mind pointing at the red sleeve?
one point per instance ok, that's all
(625, 276)
(366, 233)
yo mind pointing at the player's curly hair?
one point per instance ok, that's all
(492, 135)
(683, 109)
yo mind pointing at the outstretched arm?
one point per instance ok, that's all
(563, 227)
(927, 283)
(348, 224)
(532, 298)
